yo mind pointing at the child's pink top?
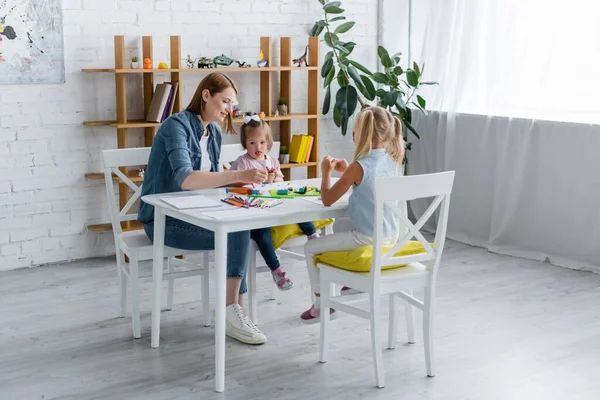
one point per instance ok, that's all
(245, 162)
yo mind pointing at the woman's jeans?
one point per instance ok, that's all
(181, 235)
(264, 242)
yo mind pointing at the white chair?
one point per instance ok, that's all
(136, 245)
(420, 271)
(230, 153)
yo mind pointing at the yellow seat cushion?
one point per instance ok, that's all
(359, 259)
(283, 233)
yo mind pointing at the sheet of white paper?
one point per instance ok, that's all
(317, 200)
(195, 201)
(235, 213)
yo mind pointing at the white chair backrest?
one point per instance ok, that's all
(113, 159)
(391, 191)
(230, 152)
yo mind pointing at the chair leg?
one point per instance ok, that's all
(171, 282)
(409, 312)
(252, 301)
(135, 296)
(122, 283)
(324, 342)
(375, 340)
(428, 331)
(206, 290)
(393, 322)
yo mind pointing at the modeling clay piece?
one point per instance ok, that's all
(282, 191)
(301, 59)
(261, 60)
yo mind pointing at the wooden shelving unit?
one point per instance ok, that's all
(267, 104)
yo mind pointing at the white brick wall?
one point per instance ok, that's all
(45, 202)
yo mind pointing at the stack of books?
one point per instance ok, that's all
(300, 148)
(162, 103)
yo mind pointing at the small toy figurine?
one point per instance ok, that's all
(206, 62)
(276, 113)
(163, 65)
(189, 62)
(235, 111)
(223, 60)
(261, 60)
(147, 63)
(261, 115)
(301, 59)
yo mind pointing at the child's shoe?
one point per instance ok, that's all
(281, 279)
(314, 236)
(313, 315)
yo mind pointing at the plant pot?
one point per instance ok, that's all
(136, 65)
(284, 158)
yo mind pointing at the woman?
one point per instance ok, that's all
(185, 156)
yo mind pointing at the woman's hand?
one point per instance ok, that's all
(254, 176)
(340, 165)
(327, 165)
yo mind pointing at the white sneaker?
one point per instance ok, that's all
(241, 327)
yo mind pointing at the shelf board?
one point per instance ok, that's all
(134, 225)
(146, 124)
(295, 165)
(198, 70)
(133, 175)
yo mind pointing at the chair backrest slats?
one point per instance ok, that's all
(388, 191)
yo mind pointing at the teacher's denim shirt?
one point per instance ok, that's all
(175, 155)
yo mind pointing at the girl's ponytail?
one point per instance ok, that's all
(365, 124)
(395, 147)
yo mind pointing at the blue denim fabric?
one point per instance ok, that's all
(175, 155)
(308, 228)
(181, 235)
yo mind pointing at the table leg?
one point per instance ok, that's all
(157, 271)
(221, 284)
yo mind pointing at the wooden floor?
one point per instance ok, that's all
(507, 328)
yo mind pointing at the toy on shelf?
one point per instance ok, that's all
(135, 64)
(206, 62)
(261, 60)
(301, 59)
(147, 63)
(236, 111)
(189, 62)
(276, 113)
(282, 107)
(163, 65)
(226, 61)
(261, 115)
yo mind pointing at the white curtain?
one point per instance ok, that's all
(518, 118)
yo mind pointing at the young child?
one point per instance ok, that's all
(256, 138)
(378, 151)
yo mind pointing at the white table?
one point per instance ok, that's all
(290, 212)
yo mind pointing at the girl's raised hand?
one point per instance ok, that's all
(340, 165)
(327, 165)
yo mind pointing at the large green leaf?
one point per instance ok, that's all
(333, 4)
(327, 65)
(327, 100)
(328, 56)
(410, 128)
(341, 48)
(380, 92)
(337, 116)
(331, 38)
(316, 30)
(341, 78)
(322, 23)
(398, 70)
(412, 78)
(354, 74)
(349, 46)
(338, 18)
(380, 77)
(344, 124)
(416, 68)
(384, 56)
(345, 27)
(360, 67)
(369, 87)
(390, 98)
(331, 9)
(329, 77)
(428, 83)
(346, 99)
(421, 101)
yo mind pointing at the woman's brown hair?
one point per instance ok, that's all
(215, 82)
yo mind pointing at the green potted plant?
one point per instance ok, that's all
(282, 107)
(135, 64)
(284, 156)
(398, 87)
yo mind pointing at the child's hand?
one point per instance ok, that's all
(327, 165)
(271, 177)
(340, 165)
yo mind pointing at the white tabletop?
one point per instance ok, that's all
(238, 219)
